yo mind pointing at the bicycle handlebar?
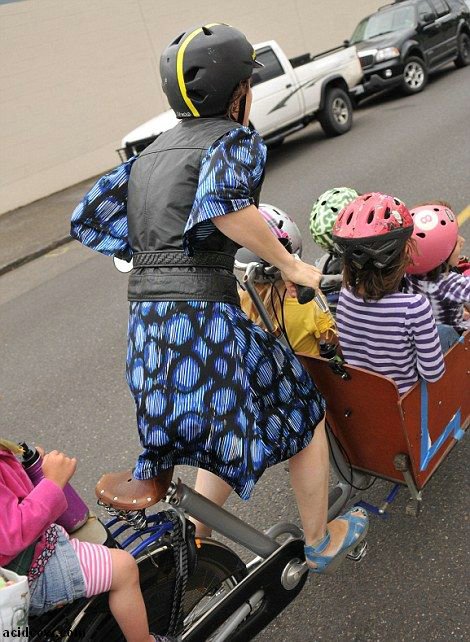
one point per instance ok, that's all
(305, 294)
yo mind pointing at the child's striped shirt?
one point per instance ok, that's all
(395, 337)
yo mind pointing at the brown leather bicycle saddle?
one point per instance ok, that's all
(124, 492)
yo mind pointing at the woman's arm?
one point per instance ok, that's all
(230, 174)
(249, 229)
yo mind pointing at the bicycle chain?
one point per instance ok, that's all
(180, 555)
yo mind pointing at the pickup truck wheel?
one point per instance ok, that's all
(336, 116)
(463, 46)
(415, 76)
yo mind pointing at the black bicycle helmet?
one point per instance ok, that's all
(202, 67)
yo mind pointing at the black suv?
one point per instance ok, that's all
(400, 43)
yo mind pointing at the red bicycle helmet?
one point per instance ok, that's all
(435, 233)
(374, 227)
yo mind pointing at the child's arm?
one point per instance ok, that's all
(420, 320)
(100, 220)
(455, 288)
(22, 523)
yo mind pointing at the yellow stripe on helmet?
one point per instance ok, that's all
(180, 63)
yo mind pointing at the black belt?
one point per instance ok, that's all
(173, 276)
(174, 258)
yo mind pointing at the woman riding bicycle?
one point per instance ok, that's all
(212, 389)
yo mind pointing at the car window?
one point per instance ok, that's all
(425, 8)
(440, 7)
(385, 22)
(272, 67)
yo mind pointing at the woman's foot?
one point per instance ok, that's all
(343, 534)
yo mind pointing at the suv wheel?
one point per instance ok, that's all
(415, 76)
(463, 46)
(336, 115)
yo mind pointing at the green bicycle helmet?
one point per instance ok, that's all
(202, 67)
(324, 212)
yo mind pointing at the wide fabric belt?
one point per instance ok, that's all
(171, 258)
(174, 276)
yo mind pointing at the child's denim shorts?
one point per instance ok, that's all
(61, 581)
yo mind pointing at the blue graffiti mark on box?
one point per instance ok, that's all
(454, 427)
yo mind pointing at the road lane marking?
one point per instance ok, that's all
(463, 216)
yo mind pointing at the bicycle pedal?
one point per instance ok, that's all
(358, 553)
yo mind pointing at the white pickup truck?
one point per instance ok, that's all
(287, 95)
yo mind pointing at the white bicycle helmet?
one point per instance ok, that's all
(282, 226)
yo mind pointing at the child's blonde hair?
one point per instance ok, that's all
(6, 444)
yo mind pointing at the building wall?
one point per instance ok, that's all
(77, 75)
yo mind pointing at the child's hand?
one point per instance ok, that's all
(40, 450)
(58, 467)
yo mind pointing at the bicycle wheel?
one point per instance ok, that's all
(218, 570)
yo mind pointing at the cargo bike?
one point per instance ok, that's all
(200, 589)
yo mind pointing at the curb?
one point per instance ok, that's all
(34, 255)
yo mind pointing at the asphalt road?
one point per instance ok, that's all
(63, 333)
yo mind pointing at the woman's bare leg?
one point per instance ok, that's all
(309, 473)
(309, 470)
(213, 488)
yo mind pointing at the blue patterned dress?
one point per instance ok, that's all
(211, 389)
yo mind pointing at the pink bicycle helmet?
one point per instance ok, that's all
(435, 232)
(373, 227)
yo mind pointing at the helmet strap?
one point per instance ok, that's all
(241, 110)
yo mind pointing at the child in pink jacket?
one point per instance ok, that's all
(60, 569)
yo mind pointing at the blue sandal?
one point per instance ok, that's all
(357, 530)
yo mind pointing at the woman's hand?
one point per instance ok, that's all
(58, 468)
(300, 273)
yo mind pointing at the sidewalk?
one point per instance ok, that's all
(35, 229)
(38, 228)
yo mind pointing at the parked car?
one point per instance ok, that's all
(288, 94)
(401, 43)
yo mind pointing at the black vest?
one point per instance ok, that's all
(162, 187)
